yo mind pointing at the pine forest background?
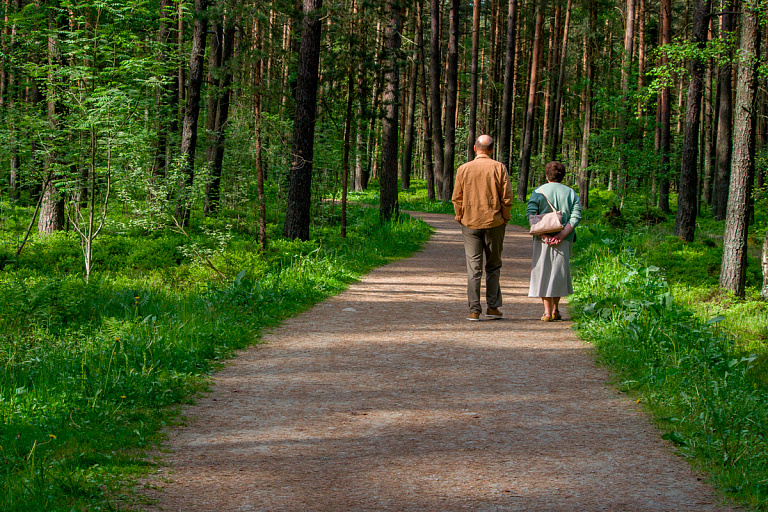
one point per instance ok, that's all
(172, 109)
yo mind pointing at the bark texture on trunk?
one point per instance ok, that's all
(435, 99)
(685, 221)
(508, 101)
(473, 94)
(192, 109)
(451, 98)
(388, 206)
(405, 174)
(52, 207)
(222, 100)
(530, 116)
(734, 265)
(589, 74)
(665, 131)
(429, 169)
(298, 208)
(723, 145)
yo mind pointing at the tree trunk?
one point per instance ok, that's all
(361, 158)
(167, 96)
(261, 213)
(221, 110)
(556, 112)
(734, 265)
(724, 142)
(298, 208)
(508, 101)
(388, 206)
(525, 161)
(552, 59)
(665, 135)
(429, 170)
(626, 63)
(13, 157)
(192, 109)
(685, 221)
(52, 208)
(589, 74)
(476, 6)
(452, 79)
(347, 136)
(435, 99)
(706, 186)
(405, 175)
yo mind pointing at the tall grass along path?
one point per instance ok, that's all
(385, 398)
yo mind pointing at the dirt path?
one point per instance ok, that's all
(386, 399)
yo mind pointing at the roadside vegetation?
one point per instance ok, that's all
(91, 371)
(694, 355)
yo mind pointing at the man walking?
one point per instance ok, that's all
(482, 199)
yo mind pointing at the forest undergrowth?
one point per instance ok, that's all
(694, 356)
(93, 370)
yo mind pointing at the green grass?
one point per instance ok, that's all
(92, 371)
(694, 355)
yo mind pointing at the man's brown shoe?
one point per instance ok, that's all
(473, 317)
(493, 313)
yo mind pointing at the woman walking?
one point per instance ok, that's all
(551, 266)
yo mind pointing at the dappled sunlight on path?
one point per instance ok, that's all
(385, 398)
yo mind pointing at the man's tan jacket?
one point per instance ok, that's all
(482, 195)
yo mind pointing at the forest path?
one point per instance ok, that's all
(385, 398)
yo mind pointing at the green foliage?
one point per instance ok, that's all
(90, 371)
(707, 389)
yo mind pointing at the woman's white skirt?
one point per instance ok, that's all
(551, 270)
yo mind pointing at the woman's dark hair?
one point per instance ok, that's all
(555, 171)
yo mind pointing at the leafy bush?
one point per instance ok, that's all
(88, 369)
(708, 393)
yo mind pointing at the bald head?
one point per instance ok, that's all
(484, 144)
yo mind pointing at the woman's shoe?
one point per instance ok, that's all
(546, 318)
(556, 315)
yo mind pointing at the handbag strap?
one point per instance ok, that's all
(545, 198)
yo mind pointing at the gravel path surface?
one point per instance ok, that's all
(385, 398)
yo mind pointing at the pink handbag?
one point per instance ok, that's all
(544, 223)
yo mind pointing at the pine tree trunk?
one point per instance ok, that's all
(347, 135)
(525, 161)
(13, 156)
(734, 265)
(405, 175)
(556, 113)
(192, 109)
(52, 207)
(665, 135)
(452, 79)
(508, 101)
(626, 63)
(685, 221)
(724, 142)
(167, 97)
(550, 82)
(589, 74)
(298, 208)
(222, 97)
(261, 213)
(472, 136)
(429, 169)
(435, 98)
(388, 206)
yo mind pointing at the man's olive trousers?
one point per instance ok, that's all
(478, 243)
